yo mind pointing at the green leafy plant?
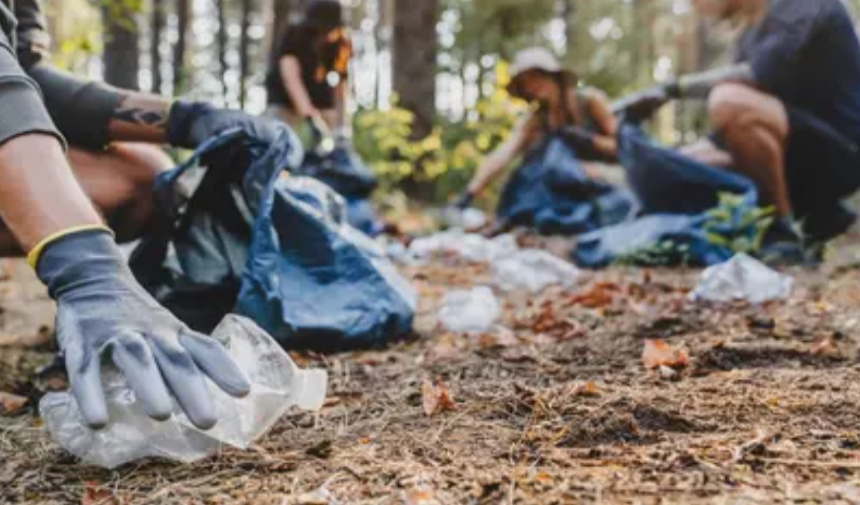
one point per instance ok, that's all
(736, 225)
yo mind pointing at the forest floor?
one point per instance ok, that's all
(557, 408)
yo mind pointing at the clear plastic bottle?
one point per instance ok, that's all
(277, 385)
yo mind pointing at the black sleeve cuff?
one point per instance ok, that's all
(81, 110)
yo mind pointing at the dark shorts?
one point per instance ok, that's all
(822, 167)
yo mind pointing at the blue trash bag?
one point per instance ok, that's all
(343, 171)
(666, 182)
(551, 193)
(231, 234)
(676, 194)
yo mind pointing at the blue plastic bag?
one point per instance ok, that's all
(666, 182)
(551, 193)
(676, 194)
(232, 235)
(342, 170)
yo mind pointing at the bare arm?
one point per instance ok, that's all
(39, 193)
(291, 72)
(604, 139)
(504, 154)
(699, 85)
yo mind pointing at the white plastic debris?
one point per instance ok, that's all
(473, 311)
(742, 278)
(470, 246)
(533, 270)
(277, 385)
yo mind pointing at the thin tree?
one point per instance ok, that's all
(245, 52)
(157, 21)
(121, 51)
(414, 60)
(222, 45)
(180, 50)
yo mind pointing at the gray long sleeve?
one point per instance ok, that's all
(81, 110)
(22, 110)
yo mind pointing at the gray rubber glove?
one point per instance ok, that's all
(103, 311)
(189, 124)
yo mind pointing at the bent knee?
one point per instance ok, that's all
(738, 106)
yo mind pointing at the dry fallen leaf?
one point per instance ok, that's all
(826, 347)
(599, 296)
(93, 495)
(658, 353)
(589, 389)
(9, 403)
(420, 497)
(436, 398)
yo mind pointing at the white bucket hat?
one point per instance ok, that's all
(535, 58)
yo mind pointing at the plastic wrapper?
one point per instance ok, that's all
(533, 270)
(742, 278)
(473, 311)
(471, 247)
(277, 385)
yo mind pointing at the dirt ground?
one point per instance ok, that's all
(555, 407)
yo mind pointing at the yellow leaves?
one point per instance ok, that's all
(657, 353)
(436, 398)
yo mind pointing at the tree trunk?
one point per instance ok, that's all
(180, 50)
(121, 50)
(156, 33)
(414, 60)
(245, 52)
(568, 16)
(222, 46)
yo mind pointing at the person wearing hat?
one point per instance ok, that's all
(308, 68)
(557, 104)
(786, 113)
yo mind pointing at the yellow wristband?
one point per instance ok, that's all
(36, 252)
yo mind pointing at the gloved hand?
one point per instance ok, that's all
(644, 104)
(189, 124)
(464, 201)
(102, 310)
(580, 141)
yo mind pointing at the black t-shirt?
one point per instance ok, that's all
(316, 59)
(806, 53)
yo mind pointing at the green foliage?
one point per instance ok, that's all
(661, 254)
(448, 157)
(732, 224)
(736, 226)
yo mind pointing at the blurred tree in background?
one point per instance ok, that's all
(427, 77)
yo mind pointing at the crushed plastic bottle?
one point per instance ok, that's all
(277, 385)
(533, 270)
(473, 311)
(471, 247)
(742, 278)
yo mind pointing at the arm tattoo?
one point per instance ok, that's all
(143, 114)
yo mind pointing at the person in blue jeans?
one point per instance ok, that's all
(786, 114)
(77, 162)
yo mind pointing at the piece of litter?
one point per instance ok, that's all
(742, 278)
(657, 353)
(473, 311)
(533, 270)
(436, 398)
(469, 246)
(277, 385)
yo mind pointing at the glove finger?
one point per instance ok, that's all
(132, 356)
(186, 382)
(214, 361)
(85, 378)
